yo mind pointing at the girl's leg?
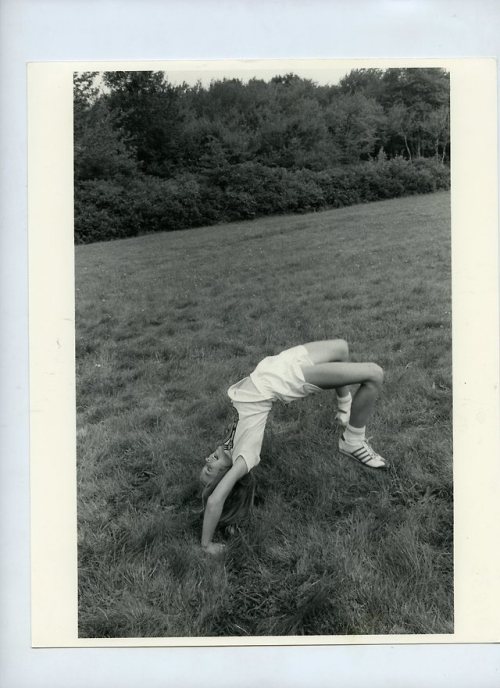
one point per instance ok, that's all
(335, 375)
(329, 351)
(332, 370)
(369, 376)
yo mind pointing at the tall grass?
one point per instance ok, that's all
(165, 323)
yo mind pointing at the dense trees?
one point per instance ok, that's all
(234, 149)
(415, 104)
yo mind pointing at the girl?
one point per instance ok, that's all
(290, 375)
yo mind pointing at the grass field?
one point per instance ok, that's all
(165, 323)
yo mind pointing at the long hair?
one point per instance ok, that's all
(239, 502)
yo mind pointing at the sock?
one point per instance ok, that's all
(344, 403)
(343, 409)
(354, 435)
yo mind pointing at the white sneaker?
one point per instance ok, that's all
(362, 453)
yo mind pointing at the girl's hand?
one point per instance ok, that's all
(215, 548)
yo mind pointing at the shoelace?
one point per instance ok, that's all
(370, 449)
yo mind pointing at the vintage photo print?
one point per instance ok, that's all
(254, 352)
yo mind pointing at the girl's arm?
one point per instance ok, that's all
(215, 504)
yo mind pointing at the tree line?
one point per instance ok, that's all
(151, 155)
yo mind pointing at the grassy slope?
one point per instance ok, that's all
(164, 324)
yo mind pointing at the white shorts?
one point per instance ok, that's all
(275, 378)
(281, 377)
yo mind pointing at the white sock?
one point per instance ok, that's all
(354, 435)
(344, 403)
(343, 409)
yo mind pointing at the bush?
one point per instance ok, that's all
(108, 210)
(266, 185)
(127, 207)
(100, 211)
(305, 193)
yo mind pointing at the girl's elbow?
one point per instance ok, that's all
(214, 502)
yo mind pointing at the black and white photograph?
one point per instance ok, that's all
(250, 330)
(263, 352)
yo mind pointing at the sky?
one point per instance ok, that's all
(323, 72)
(326, 74)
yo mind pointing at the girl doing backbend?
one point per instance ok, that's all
(292, 374)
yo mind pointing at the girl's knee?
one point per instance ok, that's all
(376, 374)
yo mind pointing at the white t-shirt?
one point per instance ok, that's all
(275, 378)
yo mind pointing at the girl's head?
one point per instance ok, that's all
(240, 500)
(216, 465)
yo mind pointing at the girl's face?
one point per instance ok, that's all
(216, 463)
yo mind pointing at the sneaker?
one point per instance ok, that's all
(362, 453)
